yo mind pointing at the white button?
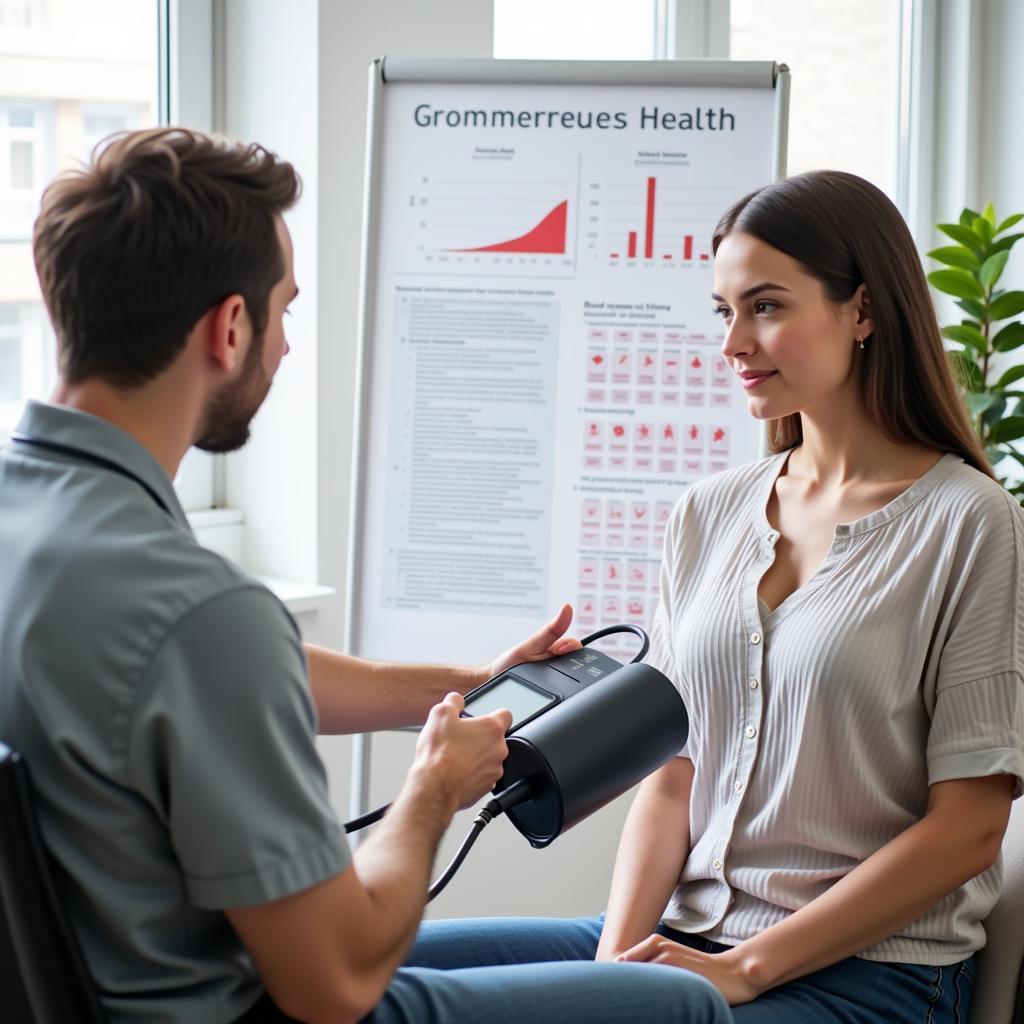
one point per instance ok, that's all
(750, 731)
(737, 785)
(717, 864)
(770, 536)
(755, 638)
(753, 683)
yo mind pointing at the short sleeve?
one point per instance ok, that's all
(222, 746)
(977, 726)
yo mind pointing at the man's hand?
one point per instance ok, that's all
(726, 971)
(463, 755)
(545, 643)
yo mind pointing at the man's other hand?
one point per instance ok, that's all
(464, 755)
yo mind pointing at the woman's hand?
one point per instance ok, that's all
(726, 971)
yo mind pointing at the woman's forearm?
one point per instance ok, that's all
(957, 839)
(654, 845)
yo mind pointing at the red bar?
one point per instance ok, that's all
(667, 256)
(687, 247)
(649, 235)
(704, 256)
(632, 245)
(614, 255)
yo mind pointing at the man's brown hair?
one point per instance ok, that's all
(162, 225)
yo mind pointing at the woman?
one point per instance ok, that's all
(845, 621)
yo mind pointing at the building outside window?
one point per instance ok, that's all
(71, 72)
(20, 16)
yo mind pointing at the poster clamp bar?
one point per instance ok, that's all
(781, 122)
(359, 785)
(755, 74)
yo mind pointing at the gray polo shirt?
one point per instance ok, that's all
(161, 700)
(817, 728)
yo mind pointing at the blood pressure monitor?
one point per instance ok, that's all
(530, 689)
(573, 745)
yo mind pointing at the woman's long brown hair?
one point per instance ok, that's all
(844, 231)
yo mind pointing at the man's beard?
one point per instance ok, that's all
(225, 426)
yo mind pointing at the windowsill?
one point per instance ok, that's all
(205, 518)
(221, 530)
(298, 597)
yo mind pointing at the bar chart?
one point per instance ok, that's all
(651, 220)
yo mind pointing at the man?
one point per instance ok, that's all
(161, 696)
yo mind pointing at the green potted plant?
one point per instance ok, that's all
(993, 391)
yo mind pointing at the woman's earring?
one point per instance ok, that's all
(860, 342)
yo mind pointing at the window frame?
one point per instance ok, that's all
(189, 49)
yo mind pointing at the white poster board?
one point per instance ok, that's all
(540, 375)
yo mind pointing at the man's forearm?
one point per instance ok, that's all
(355, 695)
(395, 865)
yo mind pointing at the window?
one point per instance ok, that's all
(844, 60)
(10, 355)
(23, 146)
(19, 15)
(50, 118)
(101, 120)
(574, 29)
(26, 364)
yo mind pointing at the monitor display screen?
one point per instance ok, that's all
(508, 692)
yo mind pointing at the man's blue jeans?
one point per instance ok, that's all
(541, 970)
(489, 970)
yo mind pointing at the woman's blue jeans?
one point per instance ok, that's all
(542, 970)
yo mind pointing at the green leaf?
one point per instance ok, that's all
(965, 235)
(983, 228)
(968, 217)
(957, 282)
(1009, 338)
(994, 455)
(1009, 222)
(966, 371)
(956, 256)
(978, 402)
(995, 412)
(989, 213)
(1009, 429)
(1008, 304)
(966, 334)
(992, 268)
(974, 308)
(1005, 243)
(1012, 374)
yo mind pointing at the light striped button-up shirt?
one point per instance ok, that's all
(817, 728)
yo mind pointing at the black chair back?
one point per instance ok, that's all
(43, 975)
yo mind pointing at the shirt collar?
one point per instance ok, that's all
(920, 487)
(91, 436)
